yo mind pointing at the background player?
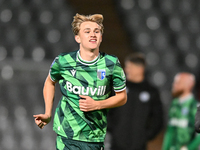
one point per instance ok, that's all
(140, 119)
(180, 133)
(86, 78)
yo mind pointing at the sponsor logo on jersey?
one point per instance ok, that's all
(73, 72)
(85, 91)
(182, 123)
(101, 74)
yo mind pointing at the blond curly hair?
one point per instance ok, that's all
(78, 19)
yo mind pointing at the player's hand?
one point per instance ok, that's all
(41, 120)
(86, 103)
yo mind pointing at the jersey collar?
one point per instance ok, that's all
(186, 98)
(87, 62)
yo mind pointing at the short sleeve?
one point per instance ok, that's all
(119, 78)
(55, 70)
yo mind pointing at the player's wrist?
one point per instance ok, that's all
(48, 114)
(48, 118)
(99, 105)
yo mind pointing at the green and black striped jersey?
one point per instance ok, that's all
(76, 77)
(181, 131)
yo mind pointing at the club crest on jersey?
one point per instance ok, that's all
(184, 111)
(101, 74)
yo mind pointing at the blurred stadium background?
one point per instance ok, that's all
(33, 32)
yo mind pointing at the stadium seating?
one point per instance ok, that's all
(32, 34)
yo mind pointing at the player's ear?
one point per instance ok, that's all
(77, 38)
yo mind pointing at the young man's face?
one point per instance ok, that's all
(178, 86)
(132, 70)
(89, 36)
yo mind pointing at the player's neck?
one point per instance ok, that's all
(89, 55)
(185, 94)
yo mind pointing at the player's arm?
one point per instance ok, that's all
(88, 104)
(48, 92)
(119, 99)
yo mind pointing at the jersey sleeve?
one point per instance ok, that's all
(55, 70)
(119, 78)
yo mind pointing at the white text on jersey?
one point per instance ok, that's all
(85, 91)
